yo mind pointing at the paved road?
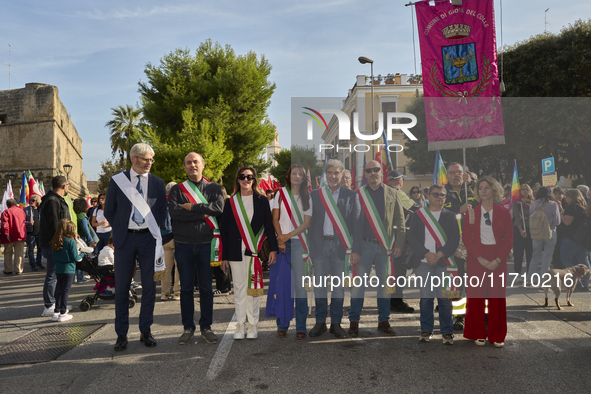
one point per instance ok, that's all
(546, 351)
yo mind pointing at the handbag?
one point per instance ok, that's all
(265, 250)
(583, 235)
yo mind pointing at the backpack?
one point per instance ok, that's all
(539, 226)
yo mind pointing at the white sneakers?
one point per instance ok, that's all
(251, 332)
(239, 333)
(48, 311)
(55, 317)
(64, 317)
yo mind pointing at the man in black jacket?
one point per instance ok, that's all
(33, 227)
(52, 209)
(192, 242)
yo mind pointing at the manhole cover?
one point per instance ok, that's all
(46, 344)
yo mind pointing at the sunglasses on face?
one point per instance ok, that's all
(415, 192)
(370, 170)
(487, 217)
(243, 177)
(438, 195)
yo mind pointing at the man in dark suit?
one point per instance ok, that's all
(388, 208)
(133, 240)
(327, 250)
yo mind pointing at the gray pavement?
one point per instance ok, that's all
(546, 351)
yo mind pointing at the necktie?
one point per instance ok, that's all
(137, 216)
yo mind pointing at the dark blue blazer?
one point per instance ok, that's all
(350, 207)
(416, 236)
(118, 207)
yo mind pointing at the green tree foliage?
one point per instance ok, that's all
(214, 103)
(303, 155)
(125, 131)
(541, 115)
(108, 169)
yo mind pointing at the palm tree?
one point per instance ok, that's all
(125, 130)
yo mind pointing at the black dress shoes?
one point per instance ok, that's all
(121, 343)
(147, 339)
(338, 331)
(318, 329)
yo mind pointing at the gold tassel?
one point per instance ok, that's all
(390, 289)
(159, 275)
(255, 292)
(450, 294)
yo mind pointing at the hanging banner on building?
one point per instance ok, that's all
(460, 74)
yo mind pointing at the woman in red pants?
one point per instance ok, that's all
(488, 239)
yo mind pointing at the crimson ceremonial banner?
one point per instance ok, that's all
(460, 74)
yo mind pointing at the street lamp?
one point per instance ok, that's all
(365, 60)
(67, 170)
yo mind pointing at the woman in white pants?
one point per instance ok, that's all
(246, 221)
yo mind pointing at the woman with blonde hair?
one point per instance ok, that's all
(246, 221)
(488, 235)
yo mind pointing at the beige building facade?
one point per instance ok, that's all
(37, 134)
(393, 95)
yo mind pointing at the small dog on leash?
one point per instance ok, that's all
(575, 273)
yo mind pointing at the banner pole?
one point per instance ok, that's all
(466, 170)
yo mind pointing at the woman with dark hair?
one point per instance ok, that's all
(416, 195)
(84, 232)
(292, 215)
(246, 221)
(543, 247)
(488, 235)
(571, 253)
(103, 228)
(558, 195)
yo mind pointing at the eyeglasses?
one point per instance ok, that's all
(459, 172)
(439, 195)
(370, 170)
(146, 160)
(487, 217)
(243, 177)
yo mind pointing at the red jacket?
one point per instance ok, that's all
(502, 227)
(13, 224)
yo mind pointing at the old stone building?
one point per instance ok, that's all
(37, 134)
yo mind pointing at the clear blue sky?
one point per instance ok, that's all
(95, 52)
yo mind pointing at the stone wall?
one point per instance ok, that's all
(37, 134)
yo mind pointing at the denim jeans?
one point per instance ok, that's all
(32, 241)
(50, 279)
(427, 318)
(538, 247)
(326, 264)
(191, 258)
(371, 253)
(571, 253)
(294, 249)
(102, 242)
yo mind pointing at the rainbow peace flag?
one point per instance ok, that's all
(23, 198)
(515, 186)
(439, 172)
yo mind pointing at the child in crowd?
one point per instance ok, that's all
(65, 254)
(106, 258)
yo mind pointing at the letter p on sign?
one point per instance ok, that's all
(548, 165)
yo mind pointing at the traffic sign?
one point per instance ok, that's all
(549, 179)
(548, 165)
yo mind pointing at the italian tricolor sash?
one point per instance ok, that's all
(191, 191)
(334, 214)
(253, 243)
(379, 230)
(440, 238)
(297, 219)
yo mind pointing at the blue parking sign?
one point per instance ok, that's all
(548, 165)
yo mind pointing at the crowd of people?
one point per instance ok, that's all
(186, 234)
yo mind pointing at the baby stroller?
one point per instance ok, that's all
(105, 278)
